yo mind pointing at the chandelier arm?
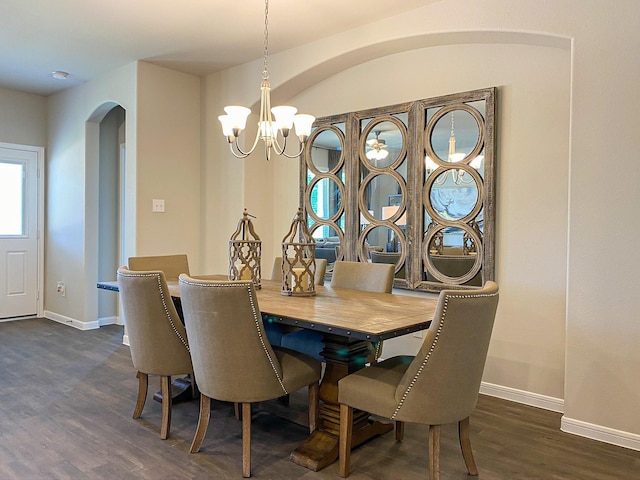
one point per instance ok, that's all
(242, 153)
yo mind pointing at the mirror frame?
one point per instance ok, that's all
(353, 129)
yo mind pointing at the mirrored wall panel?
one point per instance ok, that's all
(412, 185)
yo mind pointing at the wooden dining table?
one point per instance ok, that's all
(348, 320)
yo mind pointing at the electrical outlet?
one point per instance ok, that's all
(60, 288)
(157, 205)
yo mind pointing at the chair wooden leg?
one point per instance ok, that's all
(194, 388)
(203, 423)
(399, 431)
(465, 445)
(165, 388)
(314, 406)
(246, 440)
(143, 383)
(346, 429)
(434, 452)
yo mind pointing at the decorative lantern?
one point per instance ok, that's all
(298, 259)
(245, 249)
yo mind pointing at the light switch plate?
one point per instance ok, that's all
(158, 205)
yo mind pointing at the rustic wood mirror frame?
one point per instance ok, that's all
(417, 165)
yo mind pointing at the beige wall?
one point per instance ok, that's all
(71, 243)
(23, 118)
(558, 218)
(163, 161)
(168, 163)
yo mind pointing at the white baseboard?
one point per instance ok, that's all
(522, 396)
(600, 433)
(15, 319)
(72, 322)
(125, 340)
(102, 321)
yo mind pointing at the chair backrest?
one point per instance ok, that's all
(157, 337)
(455, 266)
(321, 270)
(442, 383)
(171, 265)
(371, 277)
(232, 359)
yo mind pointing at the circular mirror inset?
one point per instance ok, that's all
(382, 239)
(454, 134)
(383, 143)
(380, 191)
(448, 200)
(325, 198)
(326, 150)
(445, 259)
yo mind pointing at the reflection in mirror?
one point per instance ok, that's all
(381, 239)
(383, 144)
(378, 192)
(326, 149)
(326, 198)
(451, 201)
(328, 242)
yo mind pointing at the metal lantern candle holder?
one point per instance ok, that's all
(298, 259)
(245, 250)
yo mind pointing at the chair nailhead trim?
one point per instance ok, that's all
(164, 304)
(433, 346)
(254, 311)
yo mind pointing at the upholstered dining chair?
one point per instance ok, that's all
(370, 277)
(157, 337)
(171, 265)
(439, 385)
(232, 359)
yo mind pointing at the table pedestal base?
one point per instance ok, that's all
(343, 356)
(321, 448)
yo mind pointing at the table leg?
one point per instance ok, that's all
(343, 356)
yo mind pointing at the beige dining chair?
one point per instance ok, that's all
(157, 337)
(370, 277)
(438, 386)
(232, 359)
(171, 265)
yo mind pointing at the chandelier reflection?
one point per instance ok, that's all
(377, 149)
(457, 175)
(272, 122)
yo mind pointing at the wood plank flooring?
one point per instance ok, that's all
(67, 396)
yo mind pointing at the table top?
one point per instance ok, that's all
(352, 313)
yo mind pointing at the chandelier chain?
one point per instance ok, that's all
(265, 71)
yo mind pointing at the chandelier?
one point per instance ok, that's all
(457, 175)
(273, 121)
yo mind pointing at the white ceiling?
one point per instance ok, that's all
(90, 37)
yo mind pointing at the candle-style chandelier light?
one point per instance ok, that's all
(272, 122)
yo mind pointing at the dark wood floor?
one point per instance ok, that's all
(67, 396)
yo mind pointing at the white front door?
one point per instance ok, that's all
(18, 231)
